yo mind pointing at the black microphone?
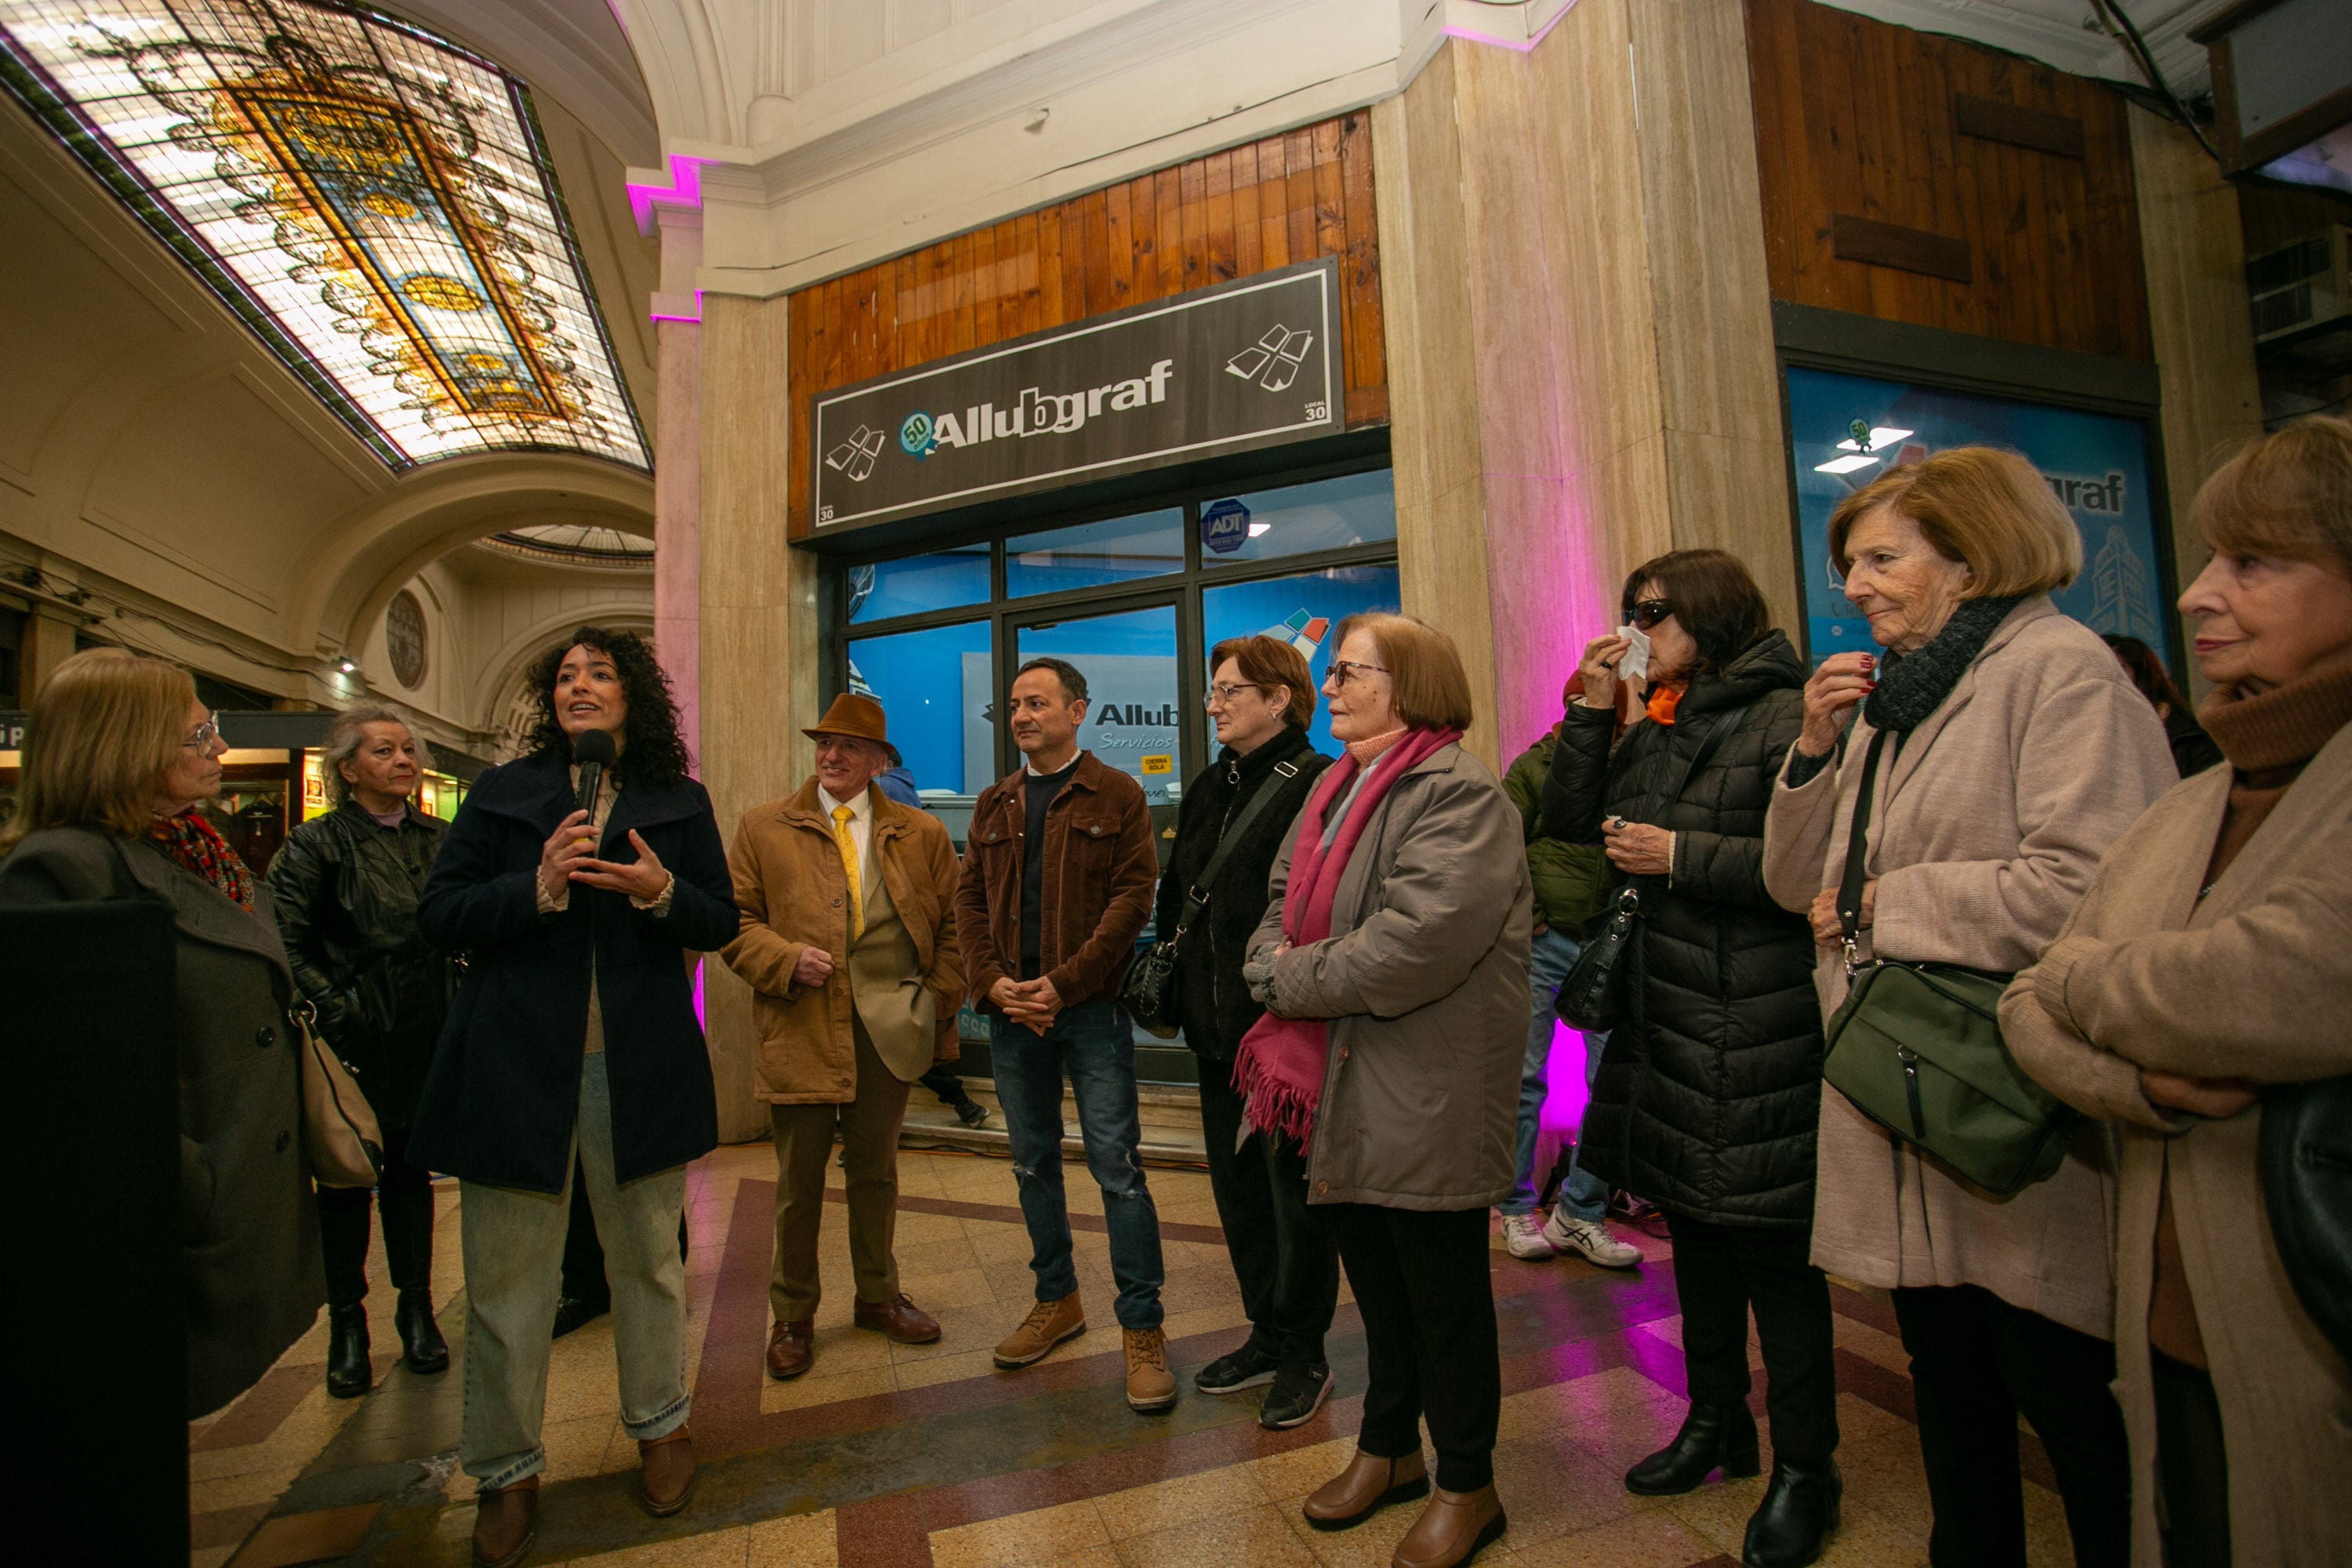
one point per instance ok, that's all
(592, 753)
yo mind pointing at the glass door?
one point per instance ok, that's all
(1137, 720)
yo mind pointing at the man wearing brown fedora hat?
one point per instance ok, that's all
(848, 936)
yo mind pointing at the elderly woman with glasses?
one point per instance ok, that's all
(1260, 698)
(1392, 964)
(120, 758)
(1707, 1098)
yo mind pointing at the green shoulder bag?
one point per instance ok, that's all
(1917, 1048)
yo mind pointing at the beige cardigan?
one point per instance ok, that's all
(2251, 983)
(1989, 828)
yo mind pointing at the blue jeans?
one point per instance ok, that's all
(1092, 1043)
(1584, 1196)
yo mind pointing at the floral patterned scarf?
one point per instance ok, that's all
(195, 845)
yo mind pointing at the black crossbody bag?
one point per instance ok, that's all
(1590, 999)
(1150, 994)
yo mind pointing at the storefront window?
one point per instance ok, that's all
(1329, 514)
(943, 580)
(1301, 610)
(1095, 554)
(936, 687)
(1132, 713)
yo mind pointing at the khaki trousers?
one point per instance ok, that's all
(869, 1141)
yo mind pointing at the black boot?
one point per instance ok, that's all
(1799, 1510)
(348, 1374)
(1713, 1437)
(421, 1345)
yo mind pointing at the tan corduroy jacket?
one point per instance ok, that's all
(2250, 983)
(794, 895)
(1988, 826)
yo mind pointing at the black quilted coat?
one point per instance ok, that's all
(1710, 1089)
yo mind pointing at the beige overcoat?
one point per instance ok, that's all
(794, 895)
(1988, 826)
(2251, 982)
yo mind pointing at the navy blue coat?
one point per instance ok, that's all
(504, 1089)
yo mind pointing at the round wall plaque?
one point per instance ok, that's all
(403, 639)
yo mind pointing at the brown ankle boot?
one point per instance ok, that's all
(1451, 1530)
(1048, 1325)
(669, 1477)
(1369, 1484)
(506, 1521)
(1149, 1386)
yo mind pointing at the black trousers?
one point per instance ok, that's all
(1282, 1252)
(1977, 1363)
(2192, 1466)
(946, 1082)
(1720, 1271)
(1428, 1303)
(406, 1194)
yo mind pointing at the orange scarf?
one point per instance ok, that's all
(1663, 698)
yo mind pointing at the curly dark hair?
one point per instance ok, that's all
(655, 753)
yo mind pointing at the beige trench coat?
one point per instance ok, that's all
(2250, 983)
(1988, 827)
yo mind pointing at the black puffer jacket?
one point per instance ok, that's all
(1710, 1089)
(345, 889)
(1214, 1003)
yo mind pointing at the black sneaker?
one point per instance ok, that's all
(971, 1113)
(1299, 1391)
(1247, 1367)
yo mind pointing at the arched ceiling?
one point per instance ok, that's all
(154, 449)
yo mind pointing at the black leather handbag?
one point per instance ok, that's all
(1590, 996)
(2305, 1162)
(1150, 992)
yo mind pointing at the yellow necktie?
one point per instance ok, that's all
(841, 816)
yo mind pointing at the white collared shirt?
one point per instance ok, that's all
(861, 826)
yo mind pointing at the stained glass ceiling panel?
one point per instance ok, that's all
(375, 203)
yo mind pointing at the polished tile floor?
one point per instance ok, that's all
(886, 1455)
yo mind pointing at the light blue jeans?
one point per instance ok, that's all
(1584, 1196)
(514, 1268)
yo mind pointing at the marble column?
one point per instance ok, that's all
(759, 638)
(678, 466)
(1580, 362)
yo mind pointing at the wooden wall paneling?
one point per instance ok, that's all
(1994, 120)
(1249, 209)
(1856, 117)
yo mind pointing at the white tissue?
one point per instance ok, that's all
(1634, 664)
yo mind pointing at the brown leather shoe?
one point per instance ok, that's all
(1368, 1485)
(1452, 1528)
(898, 1320)
(1048, 1325)
(668, 1475)
(791, 1348)
(1150, 1385)
(506, 1521)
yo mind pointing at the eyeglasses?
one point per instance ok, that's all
(1649, 613)
(206, 733)
(1344, 670)
(1226, 693)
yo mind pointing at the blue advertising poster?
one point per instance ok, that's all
(1846, 430)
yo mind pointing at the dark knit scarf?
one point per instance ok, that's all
(1912, 684)
(195, 845)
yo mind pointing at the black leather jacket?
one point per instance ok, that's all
(345, 889)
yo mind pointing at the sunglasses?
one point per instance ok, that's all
(1649, 613)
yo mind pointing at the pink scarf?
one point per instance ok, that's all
(1279, 1067)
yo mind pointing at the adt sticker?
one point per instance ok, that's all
(1225, 527)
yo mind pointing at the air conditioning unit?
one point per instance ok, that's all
(2301, 295)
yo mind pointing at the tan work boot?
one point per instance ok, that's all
(505, 1522)
(1368, 1485)
(1149, 1386)
(667, 1478)
(1048, 1325)
(1451, 1530)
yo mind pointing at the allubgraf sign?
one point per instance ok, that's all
(1249, 363)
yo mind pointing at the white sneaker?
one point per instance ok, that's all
(1524, 1234)
(1588, 1239)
